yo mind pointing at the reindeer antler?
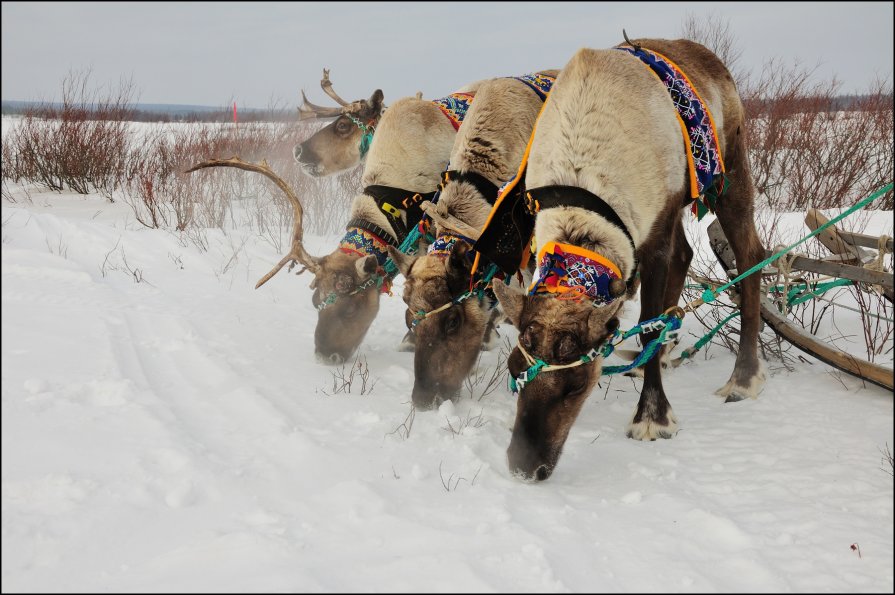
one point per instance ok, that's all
(298, 252)
(308, 110)
(327, 87)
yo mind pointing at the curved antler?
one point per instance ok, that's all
(308, 110)
(327, 87)
(298, 252)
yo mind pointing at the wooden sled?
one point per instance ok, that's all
(837, 267)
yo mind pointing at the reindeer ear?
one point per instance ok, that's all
(511, 300)
(404, 262)
(374, 104)
(458, 268)
(366, 266)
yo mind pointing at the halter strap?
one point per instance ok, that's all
(367, 129)
(393, 202)
(667, 324)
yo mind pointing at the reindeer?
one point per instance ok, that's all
(607, 177)
(343, 144)
(487, 151)
(412, 146)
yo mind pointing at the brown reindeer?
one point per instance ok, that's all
(608, 176)
(487, 152)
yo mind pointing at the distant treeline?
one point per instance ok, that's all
(201, 113)
(811, 104)
(151, 112)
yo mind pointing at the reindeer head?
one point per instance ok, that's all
(346, 295)
(342, 144)
(447, 341)
(558, 332)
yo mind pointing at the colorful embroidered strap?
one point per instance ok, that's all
(698, 127)
(563, 268)
(455, 106)
(444, 244)
(539, 82)
(362, 242)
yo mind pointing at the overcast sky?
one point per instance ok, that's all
(261, 54)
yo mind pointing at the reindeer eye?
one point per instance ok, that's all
(451, 322)
(343, 125)
(527, 337)
(568, 347)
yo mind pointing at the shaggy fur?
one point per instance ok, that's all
(491, 142)
(610, 127)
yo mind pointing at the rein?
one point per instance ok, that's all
(668, 325)
(480, 288)
(377, 279)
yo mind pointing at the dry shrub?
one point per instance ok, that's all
(808, 148)
(81, 144)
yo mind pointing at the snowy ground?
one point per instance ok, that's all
(176, 434)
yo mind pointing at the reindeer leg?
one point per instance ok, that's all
(735, 212)
(678, 265)
(654, 417)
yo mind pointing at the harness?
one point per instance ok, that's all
(668, 325)
(547, 197)
(454, 106)
(486, 187)
(367, 129)
(539, 82)
(705, 165)
(400, 207)
(445, 243)
(364, 237)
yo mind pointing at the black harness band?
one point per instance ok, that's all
(486, 188)
(547, 197)
(392, 201)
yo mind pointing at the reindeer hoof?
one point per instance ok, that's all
(649, 429)
(735, 391)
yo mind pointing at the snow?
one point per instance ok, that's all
(165, 427)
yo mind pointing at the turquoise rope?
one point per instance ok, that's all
(408, 246)
(672, 324)
(792, 299)
(710, 295)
